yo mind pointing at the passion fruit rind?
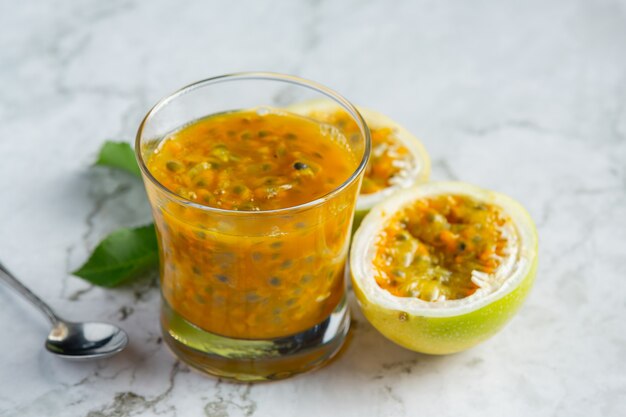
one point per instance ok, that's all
(446, 335)
(420, 171)
(419, 174)
(453, 325)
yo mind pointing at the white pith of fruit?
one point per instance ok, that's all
(419, 164)
(521, 250)
(417, 171)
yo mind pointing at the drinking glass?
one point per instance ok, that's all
(251, 295)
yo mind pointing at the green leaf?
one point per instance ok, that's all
(118, 155)
(121, 256)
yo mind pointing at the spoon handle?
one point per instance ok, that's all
(10, 279)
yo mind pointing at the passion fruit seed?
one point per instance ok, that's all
(221, 278)
(275, 281)
(173, 166)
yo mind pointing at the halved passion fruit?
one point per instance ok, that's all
(441, 267)
(398, 159)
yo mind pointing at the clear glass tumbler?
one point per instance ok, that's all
(251, 295)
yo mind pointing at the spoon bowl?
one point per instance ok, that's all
(90, 340)
(86, 340)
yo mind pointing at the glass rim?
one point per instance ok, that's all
(266, 76)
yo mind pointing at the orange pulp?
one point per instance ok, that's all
(247, 273)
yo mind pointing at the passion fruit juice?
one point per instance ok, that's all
(245, 268)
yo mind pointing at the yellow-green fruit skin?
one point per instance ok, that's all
(446, 335)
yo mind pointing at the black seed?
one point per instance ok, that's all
(290, 136)
(300, 166)
(196, 270)
(221, 278)
(263, 133)
(318, 155)
(275, 281)
(306, 278)
(276, 245)
(257, 256)
(462, 246)
(287, 264)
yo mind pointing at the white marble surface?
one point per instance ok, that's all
(528, 98)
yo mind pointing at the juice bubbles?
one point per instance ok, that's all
(246, 268)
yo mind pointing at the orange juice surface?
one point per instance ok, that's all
(250, 161)
(250, 273)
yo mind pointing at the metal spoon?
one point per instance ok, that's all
(73, 340)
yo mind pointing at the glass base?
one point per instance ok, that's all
(255, 360)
